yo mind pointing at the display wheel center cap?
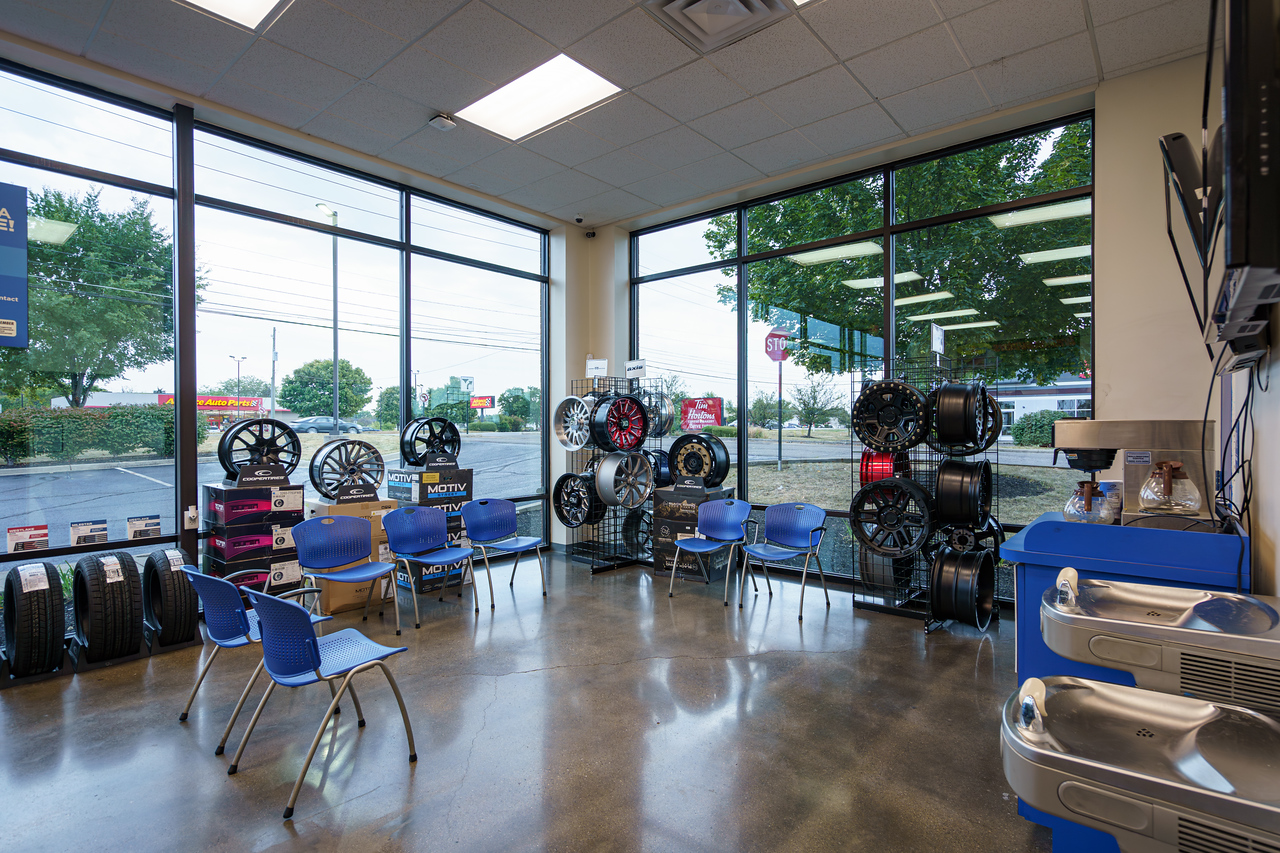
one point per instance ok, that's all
(624, 423)
(889, 415)
(890, 518)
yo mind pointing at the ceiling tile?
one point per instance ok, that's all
(291, 74)
(1040, 72)
(851, 27)
(722, 171)
(1009, 27)
(692, 91)
(625, 120)
(1106, 11)
(380, 109)
(568, 144)
(830, 91)
(852, 131)
(908, 63)
(739, 124)
(330, 35)
(520, 166)
(65, 26)
(780, 153)
(258, 102)
(558, 190)
(619, 167)
(482, 180)
(632, 50)
(943, 102)
(1152, 37)
(561, 22)
(606, 207)
(673, 148)
(465, 143)
(429, 80)
(487, 44)
(419, 158)
(774, 56)
(348, 133)
(180, 30)
(133, 58)
(408, 19)
(952, 8)
(665, 189)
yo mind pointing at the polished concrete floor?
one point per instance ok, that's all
(606, 717)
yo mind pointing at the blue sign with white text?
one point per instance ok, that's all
(13, 266)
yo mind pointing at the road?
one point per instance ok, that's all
(504, 464)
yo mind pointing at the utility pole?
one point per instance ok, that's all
(333, 220)
(274, 357)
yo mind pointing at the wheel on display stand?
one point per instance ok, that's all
(571, 422)
(963, 491)
(260, 441)
(660, 410)
(624, 479)
(637, 532)
(890, 415)
(575, 502)
(619, 423)
(422, 437)
(699, 455)
(346, 462)
(661, 465)
(892, 517)
(959, 537)
(962, 586)
(953, 427)
(878, 465)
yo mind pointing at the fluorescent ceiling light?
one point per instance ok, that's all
(924, 297)
(1056, 255)
(1048, 213)
(878, 281)
(981, 324)
(1084, 314)
(1076, 300)
(959, 312)
(246, 13)
(1068, 279)
(49, 230)
(558, 88)
(836, 253)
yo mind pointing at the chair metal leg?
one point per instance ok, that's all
(702, 567)
(742, 586)
(355, 700)
(475, 589)
(395, 597)
(764, 568)
(404, 715)
(204, 670)
(822, 577)
(235, 762)
(367, 598)
(515, 566)
(728, 574)
(244, 694)
(413, 594)
(315, 743)
(803, 574)
(541, 572)
(484, 552)
(671, 586)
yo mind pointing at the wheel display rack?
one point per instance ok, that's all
(611, 542)
(901, 584)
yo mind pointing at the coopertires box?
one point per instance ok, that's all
(228, 506)
(675, 517)
(272, 574)
(250, 541)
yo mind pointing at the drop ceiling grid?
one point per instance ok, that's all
(835, 78)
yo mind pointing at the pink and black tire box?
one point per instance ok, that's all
(229, 506)
(250, 541)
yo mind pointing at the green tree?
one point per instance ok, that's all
(250, 386)
(387, 413)
(673, 386)
(100, 305)
(514, 403)
(309, 389)
(764, 409)
(814, 400)
(535, 405)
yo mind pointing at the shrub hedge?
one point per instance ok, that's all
(484, 426)
(64, 434)
(1035, 429)
(722, 431)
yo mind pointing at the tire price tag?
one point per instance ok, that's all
(285, 573)
(282, 538)
(174, 557)
(111, 566)
(286, 500)
(33, 577)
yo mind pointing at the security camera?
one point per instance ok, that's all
(577, 219)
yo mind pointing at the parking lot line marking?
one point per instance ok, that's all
(145, 477)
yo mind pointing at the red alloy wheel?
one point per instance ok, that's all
(626, 423)
(880, 465)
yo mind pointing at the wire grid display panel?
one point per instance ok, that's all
(901, 584)
(622, 536)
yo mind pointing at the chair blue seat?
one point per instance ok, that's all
(340, 652)
(516, 543)
(356, 574)
(765, 551)
(442, 557)
(420, 535)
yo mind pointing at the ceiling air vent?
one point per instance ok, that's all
(708, 25)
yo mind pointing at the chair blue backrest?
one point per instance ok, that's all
(414, 529)
(723, 519)
(489, 520)
(332, 540)
(224, 613)
(788, 525)
(289, 646)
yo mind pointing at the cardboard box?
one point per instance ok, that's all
(447, 489)
(372, 510)
(228, 506)
(675, 516)
(250, 541)
(279, 573)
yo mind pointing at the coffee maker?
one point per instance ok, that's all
(1145, 449)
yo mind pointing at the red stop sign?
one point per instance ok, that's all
(775, 344)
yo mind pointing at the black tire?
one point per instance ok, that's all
(34, 619)
(108, 606)
(699, 455)
(962, 586)
(890, 415)
(168, 598)
(259, 441)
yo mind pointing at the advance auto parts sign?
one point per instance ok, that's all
(13, 266)
(701, 413)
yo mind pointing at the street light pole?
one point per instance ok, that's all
(333, 220)
(237, 359)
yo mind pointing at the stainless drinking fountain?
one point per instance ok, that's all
(1161, 773)
(1214, 646)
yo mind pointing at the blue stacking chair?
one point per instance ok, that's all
(295, 657)
(491, 524)
(722, 523)
(420, 534)
(790, 530)
(335, 540)
(230, 626)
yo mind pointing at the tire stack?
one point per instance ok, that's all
(107, 592)
(34, 620)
